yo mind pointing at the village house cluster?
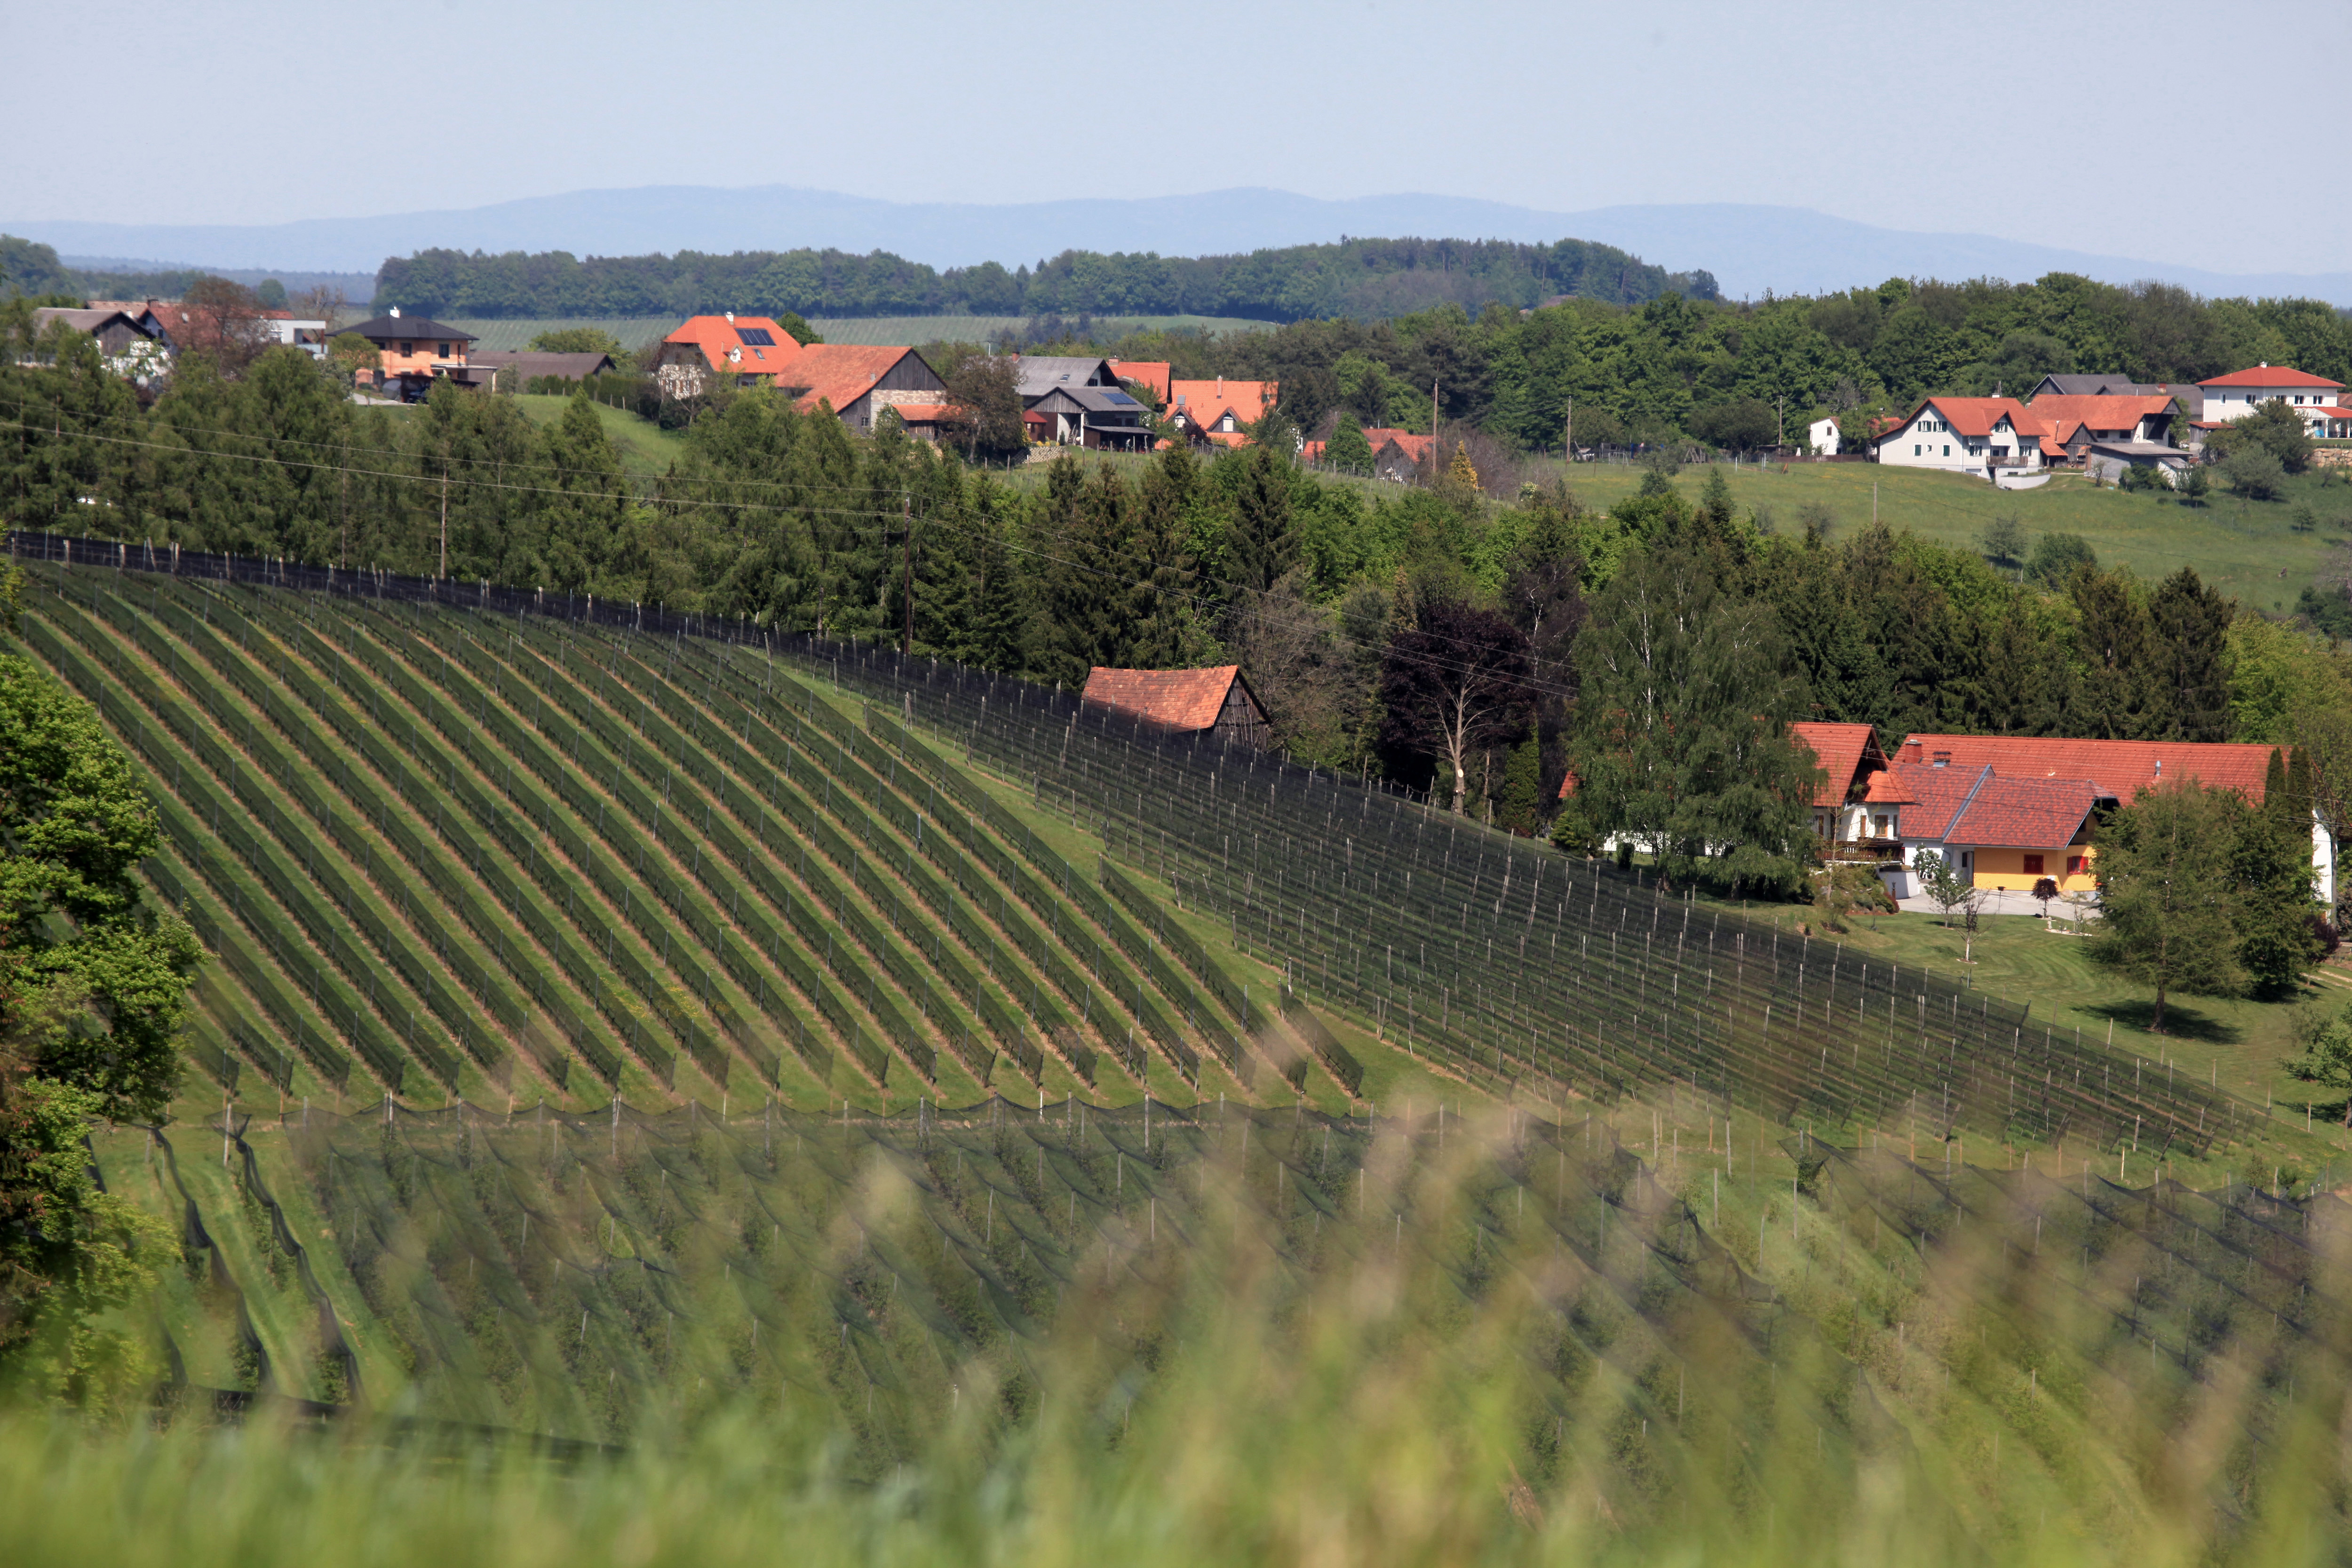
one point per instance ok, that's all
(2102, 425)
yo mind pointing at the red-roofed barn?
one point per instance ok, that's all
(1183, 702)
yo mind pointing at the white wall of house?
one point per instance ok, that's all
(1821, 436)
(2226, 403)
(1928, 441)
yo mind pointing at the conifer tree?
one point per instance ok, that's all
(1715, 498)
(1519, 804)
(1461, 471)
(2191, 625)
(1265, 536)
(2118, 696)
(1348, 450)
(2273, 864)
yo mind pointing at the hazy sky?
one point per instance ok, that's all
(2202, 134)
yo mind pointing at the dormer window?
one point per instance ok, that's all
(1941, 760)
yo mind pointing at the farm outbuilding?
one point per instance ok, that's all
(1216, 700)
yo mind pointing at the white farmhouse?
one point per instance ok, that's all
(2234, 395)
(1821, 436)
(1966, 436)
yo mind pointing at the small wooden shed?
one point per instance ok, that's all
(1216, 700)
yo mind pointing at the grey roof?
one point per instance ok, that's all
(1047, 372)
(85, 320)
(2191, 395)
(2154, 450)
(384, 329)
(531, 364)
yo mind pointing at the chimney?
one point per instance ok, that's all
(730, 317)
(395, 312)
(1912, 750)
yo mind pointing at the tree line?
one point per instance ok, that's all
(1367, 278)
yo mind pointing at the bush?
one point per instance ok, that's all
(2254, 473)
(2055, 556)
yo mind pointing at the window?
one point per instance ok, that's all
(2033, 865)
(1943, 760)
(1880, 825)
(1947, 448)
(1918, 451)
(2074, 864)
(442, 351)
(407, 348)
(1968, 860)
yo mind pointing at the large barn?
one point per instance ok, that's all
(1216, 700)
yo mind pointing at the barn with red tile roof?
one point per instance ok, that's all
(857, 381)
(1184, 702)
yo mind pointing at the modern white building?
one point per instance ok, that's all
(2234, 395)
(1966, 436)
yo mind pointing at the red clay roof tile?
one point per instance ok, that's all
(2270, 375)
(1179, 698)
(2119, 769)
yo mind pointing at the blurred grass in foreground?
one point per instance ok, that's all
(1278, 1340)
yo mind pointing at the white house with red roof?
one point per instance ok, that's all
(1978, 435)
(1858, 810)
(2315, 399)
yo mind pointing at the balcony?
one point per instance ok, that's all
(1863, 851)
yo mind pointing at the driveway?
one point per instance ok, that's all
(2001, 903)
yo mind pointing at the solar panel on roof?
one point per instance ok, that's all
(757, 335)
(1117, 397)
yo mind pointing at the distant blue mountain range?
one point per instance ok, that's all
(1749, 250)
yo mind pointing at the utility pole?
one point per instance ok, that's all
(1432, 424)
(445, 514)
(1781, 437)
(907, 523)
(1567, 435)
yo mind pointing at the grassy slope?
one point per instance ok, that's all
(2248, 550)
(645, 446)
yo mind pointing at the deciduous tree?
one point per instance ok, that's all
(1455, 683)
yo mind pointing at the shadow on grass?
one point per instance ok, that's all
(2180, 1023)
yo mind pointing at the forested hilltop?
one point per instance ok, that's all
(1365, 278)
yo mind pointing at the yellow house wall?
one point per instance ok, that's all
(2005, 868)
(422, 361)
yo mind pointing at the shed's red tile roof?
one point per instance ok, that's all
(1179, 698)
(1150, 372)
(839, 374)
(2119, 769)
(2270, 375)
(719, 337)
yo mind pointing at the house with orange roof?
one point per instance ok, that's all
(2076, 422)
(1979, 436)
(751, 350)
(1206, 410)
(2000, 833)
(2109, 773)
(1217, 701)
(858, 381)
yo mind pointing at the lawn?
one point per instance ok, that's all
(645, 448)
(2250, 550)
